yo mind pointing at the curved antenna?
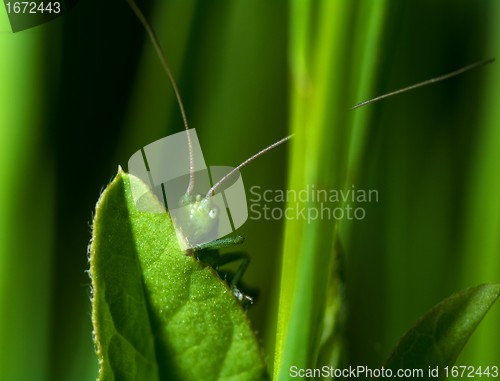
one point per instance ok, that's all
(154, 39)
(425, 83)
(214, 189)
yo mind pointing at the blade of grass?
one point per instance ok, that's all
(326, 149)
(322, 59)
(318, 38)
(482, 216)
(26, 203)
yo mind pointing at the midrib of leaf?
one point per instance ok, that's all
(113, 240)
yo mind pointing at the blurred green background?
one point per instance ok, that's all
(81, 94)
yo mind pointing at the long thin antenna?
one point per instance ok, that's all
(213, 190)
(166, 67)
(425, 83)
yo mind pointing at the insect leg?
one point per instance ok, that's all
(214, 259)
(221, 243)
(231, 257)
(245, 261)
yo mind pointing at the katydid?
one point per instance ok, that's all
(201, 215)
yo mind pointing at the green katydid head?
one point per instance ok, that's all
(199, 216)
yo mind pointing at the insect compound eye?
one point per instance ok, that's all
(213, 213)
(209, 208)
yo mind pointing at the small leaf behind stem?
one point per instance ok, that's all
(439, 336)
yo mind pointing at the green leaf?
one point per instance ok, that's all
(157, 313)
(439, 336)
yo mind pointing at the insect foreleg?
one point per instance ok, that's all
(216, 245)
(221, 243)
